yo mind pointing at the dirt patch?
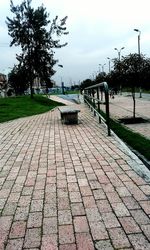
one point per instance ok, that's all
(131, 120)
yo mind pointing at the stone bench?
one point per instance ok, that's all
(69, 115)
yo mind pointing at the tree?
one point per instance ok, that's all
(101, 77)
(86, 83)
(29, 29)
(131, 68)
(18, 80)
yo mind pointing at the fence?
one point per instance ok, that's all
(93, 96)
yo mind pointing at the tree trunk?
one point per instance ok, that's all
(31, 90)
(133, 96)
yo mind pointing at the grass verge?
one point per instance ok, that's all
(22, 106)
(133, 139)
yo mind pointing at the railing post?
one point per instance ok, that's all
(98, 105)
(91, 98)
(107, 107)
(92, 103)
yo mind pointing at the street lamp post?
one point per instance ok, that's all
(102, 65)
(119, 52)
(100, 68)
(62, 83)
(138, 40)
(119, 56)
(139, 35)
(109, 63)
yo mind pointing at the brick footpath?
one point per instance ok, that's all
(70, 187)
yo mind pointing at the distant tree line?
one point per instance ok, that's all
(131, 71)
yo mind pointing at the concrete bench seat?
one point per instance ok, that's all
(69, 115)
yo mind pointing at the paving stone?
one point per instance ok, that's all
(18, 229)
(135, 177)
(145, 189)
(24, 201)
(130, 203)
(73, 187)
(95, 184)
(93, 214)
(108, 188)
(119, 239)
(103, 206)
(135, 191)
(129, 225)
(139, 242)
(9, 208)
(62, 192)
(14, 244)
(68, 247)
(75, 197)
(120, 209)
(34, 220)
(82, 182)
(80, 175)
(110, 220)
(84, 241)
(2, 203)
(63, 203)
(113, 197)
(71, 179)
(104, 245)
(14, 197)
(21, 213)
(32, 238)
(99, 194)
(98, 230)
(50, 226)
(146, 230)
(146, 206)
(89, 202)
(123, 191)
(64, 217)
(85, 191)
(36, 206)
(50, 210)
(140, 217)
(77, 209)
(49, 242)
(66, 234)
(80, 224)
(5, 224)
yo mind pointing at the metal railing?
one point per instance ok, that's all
(92, 96)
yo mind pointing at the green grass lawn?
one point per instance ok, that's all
(22, 106)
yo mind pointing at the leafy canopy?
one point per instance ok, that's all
(37, 36)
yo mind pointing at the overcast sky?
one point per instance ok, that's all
(95, 28)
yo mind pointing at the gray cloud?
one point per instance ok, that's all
(96, 28)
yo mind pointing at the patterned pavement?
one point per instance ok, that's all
(70, 187)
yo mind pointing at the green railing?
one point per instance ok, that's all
(93, 96)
